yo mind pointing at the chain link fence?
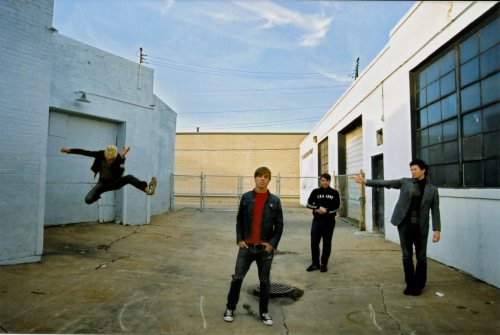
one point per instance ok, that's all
(207, 191)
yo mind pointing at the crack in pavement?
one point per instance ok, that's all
(103, 265)
(381, 289)
(284, 321)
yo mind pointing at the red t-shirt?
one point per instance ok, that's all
(258, 208)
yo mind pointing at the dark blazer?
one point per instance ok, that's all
(430, 202)
(116, 167)
(272, 219)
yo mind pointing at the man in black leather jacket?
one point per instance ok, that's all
(259, 225)
(108, 163)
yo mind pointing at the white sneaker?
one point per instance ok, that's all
(266, 319)
(228, 315)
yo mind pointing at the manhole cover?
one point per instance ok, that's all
(277, 289)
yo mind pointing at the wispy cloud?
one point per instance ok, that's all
(308, 29)
(165, 7)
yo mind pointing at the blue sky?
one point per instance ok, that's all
(239, 66)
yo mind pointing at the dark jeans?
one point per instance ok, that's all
(112, 185)
(409, 236)
(244, 259)
(322, 228)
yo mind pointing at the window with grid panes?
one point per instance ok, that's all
(323, 156)
(457, 110)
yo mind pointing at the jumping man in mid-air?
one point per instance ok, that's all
(108, 163)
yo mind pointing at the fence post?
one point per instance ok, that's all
(362, 201)
(202, 191)
(172, 194)
(278, 185)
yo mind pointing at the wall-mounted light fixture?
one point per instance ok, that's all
(83, 97)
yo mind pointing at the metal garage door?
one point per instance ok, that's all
(354, 164)
(69, 177)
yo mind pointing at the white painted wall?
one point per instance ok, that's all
(381, 95)
(41, 71)
(24, 98)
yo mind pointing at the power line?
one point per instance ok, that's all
(228, 72)
(256, 110)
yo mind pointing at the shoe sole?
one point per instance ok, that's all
(152, 186)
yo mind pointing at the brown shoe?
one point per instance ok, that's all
(152, 186)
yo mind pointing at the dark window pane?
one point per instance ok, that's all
(472, 124)
(423, 138)
(469, 48)
(435, 135)
(422, 79)
(450, 130)
(436, 175)
(449, 106)
(433, 91)
(450, 152)
(492, 144)
(473, 174)
(422, 98)
(432, 72)
(423, 154)
(490, 89)
(473, 147)
(436, 154)
(434, 113)
(491, 118)
(470, 98)
(492, 173)
(469, 72)
(490, 34)
(451, 175)
(490, 61)
(422, 118)
(448, 83)
(447, 63)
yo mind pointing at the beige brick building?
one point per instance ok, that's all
(222, 157)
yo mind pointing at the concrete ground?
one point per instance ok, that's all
(172, 277)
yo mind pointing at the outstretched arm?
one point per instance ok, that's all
(67, 150)
(125, 150)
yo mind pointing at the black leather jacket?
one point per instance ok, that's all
(116, 167)
(272, 219)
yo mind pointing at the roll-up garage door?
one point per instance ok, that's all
(354, 164)
(69, 177)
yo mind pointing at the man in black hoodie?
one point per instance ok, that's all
(325, 202)
(108, 163)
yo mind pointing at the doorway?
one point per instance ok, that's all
(378, 194)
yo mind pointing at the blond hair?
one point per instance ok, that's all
(111, 152)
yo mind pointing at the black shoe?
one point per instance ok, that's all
(312, 267)
(408, 290)
(228, 315)
(324, 268)
(416, 292)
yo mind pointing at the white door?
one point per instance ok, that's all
(69, 177)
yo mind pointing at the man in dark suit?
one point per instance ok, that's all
(417, 198)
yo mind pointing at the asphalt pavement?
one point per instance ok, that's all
(172, 277)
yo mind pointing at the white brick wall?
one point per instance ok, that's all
(24, 96)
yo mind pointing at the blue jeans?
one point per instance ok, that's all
(244, 259)
(322, 228)
(409, 236)
(112, 185)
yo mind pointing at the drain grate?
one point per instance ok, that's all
(277, 290)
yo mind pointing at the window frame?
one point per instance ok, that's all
(428, 75)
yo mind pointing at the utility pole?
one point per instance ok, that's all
(356, 69)
(141, 61)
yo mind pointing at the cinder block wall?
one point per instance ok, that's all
(120, 91)
(238, 154)
(25, 41)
